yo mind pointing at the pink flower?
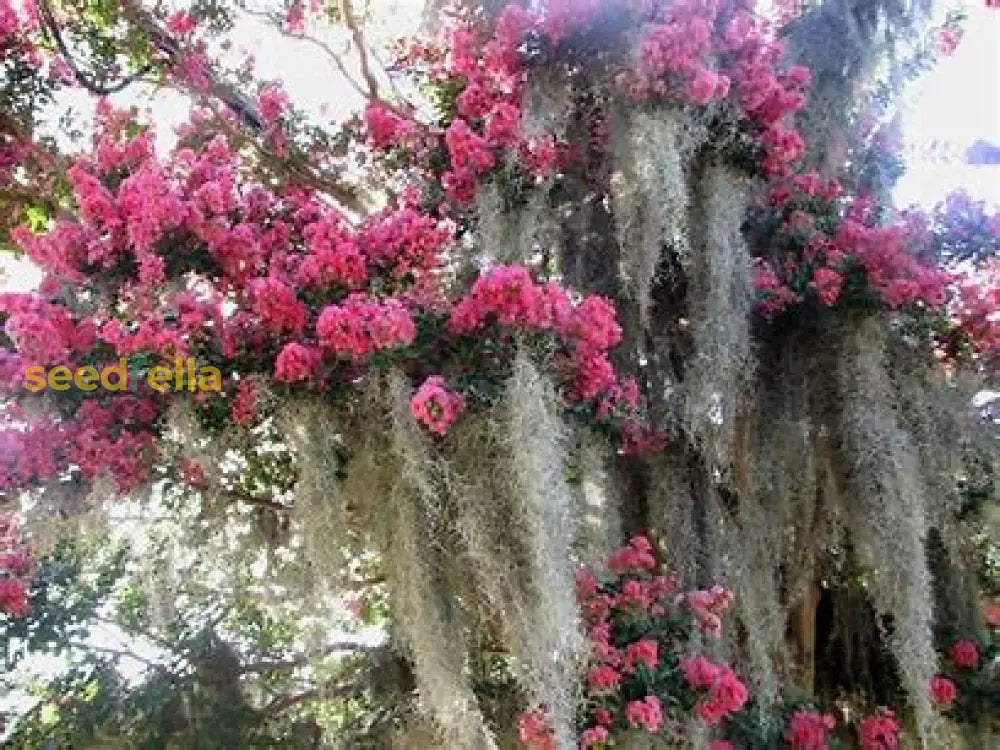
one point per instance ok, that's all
(534, 731)
(384, 127)
(699, 672)
(827, 284)
(513, 23)
(474, 102)
(436, 406)
(594, 736)
(948, 38)
(506, 293)
(503, 124)
(181, 23)
(296, 362)
(634, 594)
(992, 614)
(593, 325)
(244, 408)
(900, 292)
(645, 713)
(192, 473)
(637, 555)
(467, 149)
(721, 745)
(542, 155)
(459, 185)
(965, 655)
(601, 647)
(942, 691)
(16, 563)
(277, 305)
(586, 584)
(879, 732)
(13, 597)
(728, 695)
(359, 326)
(702, 87)
(602, 679)
(807, 730)
(707, 607)
(272, 103)
(643, 651)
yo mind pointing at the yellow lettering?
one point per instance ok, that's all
(86, 378)
(159, 378)
(35, 375)
(60, 378)
(209, 379)
(121, 370)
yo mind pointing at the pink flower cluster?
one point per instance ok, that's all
(676, 57)
(181, 23)
(824, 246)
(15, 568)
(45, 333)
(991, 614)
(361, 325)
(490, 76)
(385, 128)
(279, 308)
(534, 731)
(808, 730)
(637, 555)
(707, 606)
(973, 308)
(297, 362)
(636, 595)
(245, 401)
(508, 296)
(13, 597)
(310, 293)
(965, 655)
(113, 439)
(435, 405)
(595, 737)
(726, 693)
(646, 713)
(942, 691)
(17, 21)
(896, 275)
(880, 731)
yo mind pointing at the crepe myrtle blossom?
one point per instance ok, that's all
(965, 655)
(942, 691)
(435, 406)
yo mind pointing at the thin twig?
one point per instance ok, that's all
(118, 653)
(302, 660)
(51, 27)
(347, 16)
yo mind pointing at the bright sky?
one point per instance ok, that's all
(954, 105)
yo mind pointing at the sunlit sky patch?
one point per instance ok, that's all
(948, 110)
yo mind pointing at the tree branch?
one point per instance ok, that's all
(347, 15)
(118, 653)
(52, 30)
(285, 702)
(299, 661)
